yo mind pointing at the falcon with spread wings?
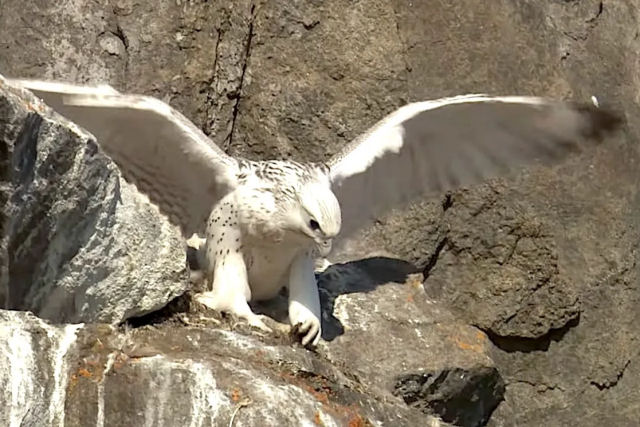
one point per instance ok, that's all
(265, 222)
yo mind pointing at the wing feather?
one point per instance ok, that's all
(157, 149)
(434, 146)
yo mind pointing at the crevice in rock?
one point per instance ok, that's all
(236, 108)
(433, 260)
(464, 397)
(540, 387)
(597, 15)
(214, 68)
(208, 125)
(25, 152)
(119, 33)
(447, 202)
(606, 385)
(215, 56)
(322, 387)
(22, 173)
(172, 312)
(512, 251)
(511, 344)
(591, 24)
(405, 49)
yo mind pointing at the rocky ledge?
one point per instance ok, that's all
(529, 292)
(122, 343)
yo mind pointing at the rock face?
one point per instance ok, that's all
(202, 371)
(33, 369)
(545, 263)
(468, 387)
(68, 214)
(78, 243)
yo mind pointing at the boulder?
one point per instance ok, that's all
(78, 243)
(394, 339)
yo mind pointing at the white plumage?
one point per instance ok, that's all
(265, 222)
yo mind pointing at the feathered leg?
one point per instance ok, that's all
(225, 268)
(304, 301)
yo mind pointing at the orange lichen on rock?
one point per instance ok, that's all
(355, 419)
(317, 419)
(83, 372)
(73, 381)
(320, 389)
(80, 372)
(478, 346)
(236, 395)
(37, 107)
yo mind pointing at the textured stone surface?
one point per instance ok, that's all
(185, 367)
(460, 396)
(174, 374)
(499, 248)
(373, 320)
(33, 369)
(545, 263)
(189, 53)
(78, 243)
(366, 306)
(315, 78)
(168, 375)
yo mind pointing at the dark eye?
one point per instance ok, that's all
(313, 224)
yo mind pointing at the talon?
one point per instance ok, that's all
(241, 312)
(206, 300)
(257, 322)
(302, 328)
(295, 330)
(308, 331)
(311, 340)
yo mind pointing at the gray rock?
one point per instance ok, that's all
(191, 54)
(460, 396)
(33, 369)
(174, 374)
(199, 376)
(78, 243)
(318, 73)
(545, 262)
(499, 249)
(370, 322)
(191, 369)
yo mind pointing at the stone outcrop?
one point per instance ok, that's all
(530, 282)
(79, 244)
(69, 214)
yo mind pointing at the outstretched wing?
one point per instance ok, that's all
(437, 145)
(158, 149)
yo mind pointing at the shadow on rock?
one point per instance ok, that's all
(356, 276)
(359, 276)
(527, 345)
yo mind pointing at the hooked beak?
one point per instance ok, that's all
(324, 247)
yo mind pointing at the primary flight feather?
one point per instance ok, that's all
(265, 222)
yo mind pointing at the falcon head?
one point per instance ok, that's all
(318, 216)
